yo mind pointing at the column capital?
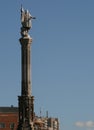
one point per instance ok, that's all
(25, 40)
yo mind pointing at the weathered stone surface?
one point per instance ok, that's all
(26, 100)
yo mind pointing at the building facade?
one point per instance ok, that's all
(9, 120)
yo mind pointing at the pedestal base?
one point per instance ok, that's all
(24, 127)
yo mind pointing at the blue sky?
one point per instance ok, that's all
(62, 59)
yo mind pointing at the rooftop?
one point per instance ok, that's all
(11, 109)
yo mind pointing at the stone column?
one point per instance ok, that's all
(26, 70)
(26, 100)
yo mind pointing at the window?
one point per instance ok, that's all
(12, 125)
(2, 125)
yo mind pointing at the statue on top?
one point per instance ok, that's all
(26, 22)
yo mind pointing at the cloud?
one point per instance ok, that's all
(88, 124)
(79, 124)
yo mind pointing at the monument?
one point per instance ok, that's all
(26, 100)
